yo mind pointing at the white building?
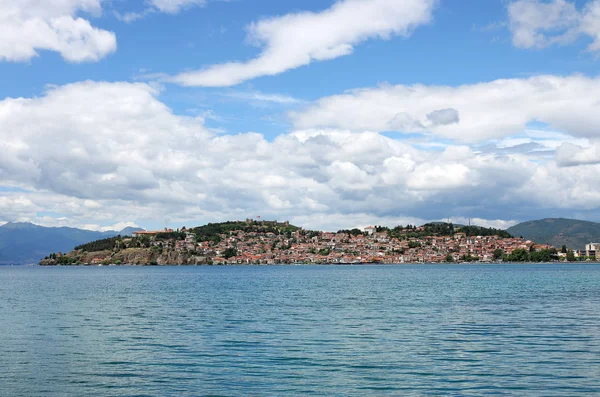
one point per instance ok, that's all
(369, 230)
(592, 249)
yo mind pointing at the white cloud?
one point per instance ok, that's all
(114, 227)
(478, 112)
(446, 176)
(539, 24)
(154, 6)
(590, 24)
(569, 155)
(495, 223)
(17, 205)
(294, 40)
(95, 154)
(540, 141)
(27, 26)
(534, 23)
(133, 16)
(261, 97)
(557, 187)
(174, 6)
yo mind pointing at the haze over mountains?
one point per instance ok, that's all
(24, 243)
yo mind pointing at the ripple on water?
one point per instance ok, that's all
(372, 330)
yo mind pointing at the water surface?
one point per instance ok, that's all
(300, 330)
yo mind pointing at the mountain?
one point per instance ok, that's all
(128, 231)
(573, 233)
(24, 243)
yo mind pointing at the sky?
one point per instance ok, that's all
(331, 114)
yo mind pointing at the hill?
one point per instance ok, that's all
(181, 247)
(211, 231)
(573, 233)
(24, 243)
(264, 242)
(440, 229)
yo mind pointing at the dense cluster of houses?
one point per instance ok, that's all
(301, 246)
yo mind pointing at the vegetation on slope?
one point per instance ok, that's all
(22, 243)
(557, 232)
(99, 245)
(434, 229)
(212, 231)
(484, 231)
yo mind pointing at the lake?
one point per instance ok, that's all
(300, 330)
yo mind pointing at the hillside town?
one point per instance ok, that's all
(272, 242)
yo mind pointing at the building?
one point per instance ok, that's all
(150, 233)
(369, 230)
(592, 249)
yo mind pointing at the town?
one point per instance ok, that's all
(272, 242)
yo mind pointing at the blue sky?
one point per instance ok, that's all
(510, 76)
(465, 43)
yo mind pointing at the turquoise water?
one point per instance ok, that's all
(300, 330)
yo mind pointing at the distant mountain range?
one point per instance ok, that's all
(573, 233)
(24, 243)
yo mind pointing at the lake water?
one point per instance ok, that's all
(300, 330)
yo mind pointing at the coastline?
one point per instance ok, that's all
(321, 264)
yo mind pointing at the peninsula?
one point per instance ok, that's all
(272, 242)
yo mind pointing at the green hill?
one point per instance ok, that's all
(573, 233)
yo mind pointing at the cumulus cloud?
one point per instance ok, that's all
(470, 113)
(27, 26)
(443, 117)
(116, 227)
(297, 39)
(538, 24)
(570, 155)
(590, 24)
(97, 153)
(16, 206)
(534, 23)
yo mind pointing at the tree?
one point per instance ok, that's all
(229, 253)
(99, 245)
(449, 258)
(354, 232)
(571, 256)
(540, 256)
(484, 231)
(498, 254)
(563, 249)
(519, 255)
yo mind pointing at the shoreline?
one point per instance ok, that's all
(319, 264)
